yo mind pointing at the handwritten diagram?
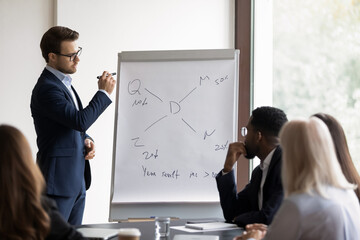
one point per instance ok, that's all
(175, 123)
(175, 106)
(136, 89)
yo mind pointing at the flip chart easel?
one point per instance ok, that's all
(176, 114)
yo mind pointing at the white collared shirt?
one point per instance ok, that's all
(66, 80)
(264, 166)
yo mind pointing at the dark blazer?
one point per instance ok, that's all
(243, 207)
(59, 228)
(60, 130)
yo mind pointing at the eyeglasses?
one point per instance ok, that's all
(71, 56)
(244, 131)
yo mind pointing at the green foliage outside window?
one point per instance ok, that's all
(317, 62)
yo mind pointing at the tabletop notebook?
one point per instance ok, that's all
(99, 233)
(210, 225)
(195, 237)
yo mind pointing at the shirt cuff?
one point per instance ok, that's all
(102, 90)
(224, 173)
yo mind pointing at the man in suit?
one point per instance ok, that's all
(64, 148)
(262, 196)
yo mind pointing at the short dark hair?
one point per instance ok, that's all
(268, 120)
(52, 38)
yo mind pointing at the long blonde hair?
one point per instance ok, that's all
(309, 159)
(21, 186)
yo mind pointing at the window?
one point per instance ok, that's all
(315, 59)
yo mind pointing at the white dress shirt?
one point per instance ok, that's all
(66, 80)
(264, 166)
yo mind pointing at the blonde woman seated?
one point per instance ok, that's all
(319, 202)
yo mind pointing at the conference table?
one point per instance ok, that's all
(147, 229)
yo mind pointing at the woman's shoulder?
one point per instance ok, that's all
(59, 229)
(48, 203)
(331, 198)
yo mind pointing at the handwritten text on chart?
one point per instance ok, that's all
(145, 97)
(137, 142)
(154, 154)
(175, 174)
(135, 89)
(222, 146)
(217, 81)
(149, 155)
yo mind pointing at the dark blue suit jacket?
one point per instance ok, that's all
(243, 207)
(60, 130)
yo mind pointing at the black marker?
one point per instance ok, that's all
(98, 77)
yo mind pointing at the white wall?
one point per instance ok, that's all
(106, 27)
(22, 23)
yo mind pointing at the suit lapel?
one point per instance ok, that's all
(275, 158)
(256, 187)
(258, 179)
(77, 98)
(50, 76)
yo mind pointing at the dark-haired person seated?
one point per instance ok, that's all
(319, 202)
(25, 213)
(262, 196)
